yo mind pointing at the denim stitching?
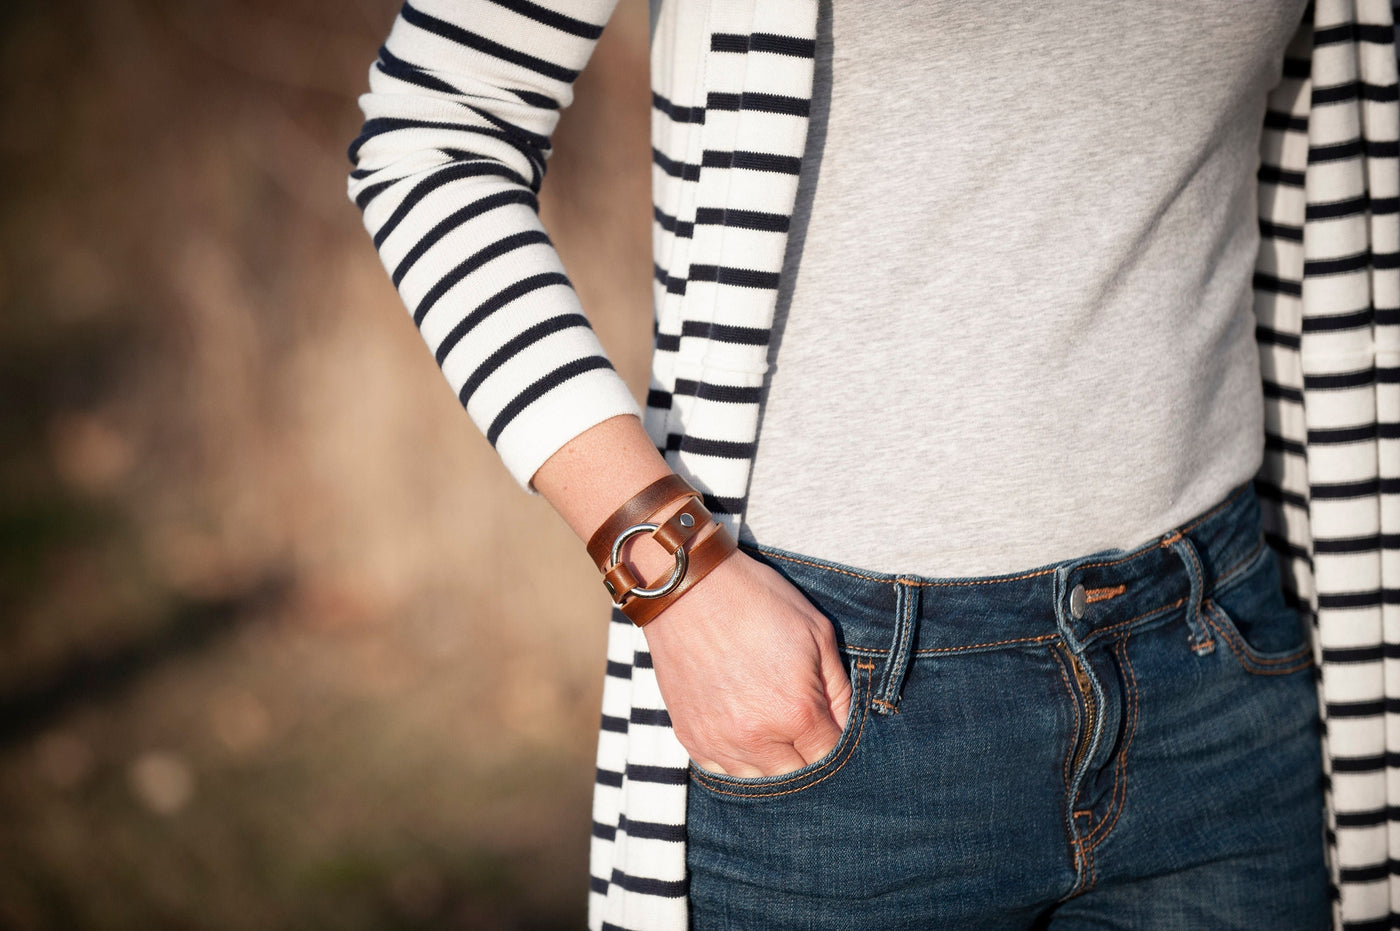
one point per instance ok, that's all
(1074, 705)
(1092, 595)
(992, 581)
(1096, 632)
(1249, 662)
(1200, 639)
(919, 582)
(1223, 577)
(844, 757)
(883, 651)
(1072, 838)
(1253, 654)
(1099, 631)
(1121, 779)
(1078, 856)
(1132, 729)
(895, 671)
(1242, 563)
(995, 643)
(1084, 869)
(1089, 870)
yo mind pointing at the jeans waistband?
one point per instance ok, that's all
(1080, 599)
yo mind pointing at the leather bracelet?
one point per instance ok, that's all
(660, 493)
(705, 556)
(640, 604)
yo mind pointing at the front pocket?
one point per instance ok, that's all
(813, 773)
(1254, 621)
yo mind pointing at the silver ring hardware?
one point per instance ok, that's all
(682, 562)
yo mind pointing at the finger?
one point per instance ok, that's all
(818, 738)
(784, 758)
(835, 681)
(710, 766)
(775, 760)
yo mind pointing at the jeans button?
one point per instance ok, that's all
(1077, 601)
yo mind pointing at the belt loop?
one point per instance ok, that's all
(1200, 640)
(906, 610)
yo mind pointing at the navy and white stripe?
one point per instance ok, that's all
(1327, 289)
(463, 100)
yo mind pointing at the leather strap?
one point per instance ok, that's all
(620, 578)
(706, 554)
(677, 531)
(683, 525)
(665, 490)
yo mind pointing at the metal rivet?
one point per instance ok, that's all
(687, 520)
(1077, 600)
(609, 586)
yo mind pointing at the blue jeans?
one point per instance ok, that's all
(1129, 739)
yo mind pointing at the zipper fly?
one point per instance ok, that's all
(1087, 690)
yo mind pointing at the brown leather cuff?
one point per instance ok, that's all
(660, 493)
(674, 534)
(704, 557)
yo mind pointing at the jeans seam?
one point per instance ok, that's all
(1100, 631)
(1093, 867)
(1200, 639)
(1174, 532)
(1242, 653)
(888, 702)
(884, 651)
(1092, 595)
(919, 582)
(994, 643)
(1074, 706)
(1082, 863)
(1121, 778)
(1243, 562)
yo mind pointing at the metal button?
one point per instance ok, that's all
(687, 520)
(1077, 601)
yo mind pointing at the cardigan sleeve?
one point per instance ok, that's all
(462, 102)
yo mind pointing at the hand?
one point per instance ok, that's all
(749, 671)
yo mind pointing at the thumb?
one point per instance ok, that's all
(835, 681)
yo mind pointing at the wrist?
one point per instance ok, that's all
(598, 471)
(672, 514)
(653, 564)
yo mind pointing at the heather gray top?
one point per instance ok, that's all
(1024, 238)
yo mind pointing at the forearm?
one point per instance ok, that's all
(463, 99)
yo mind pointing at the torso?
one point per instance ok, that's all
(1016, 322)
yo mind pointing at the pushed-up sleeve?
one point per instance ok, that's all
(447, 168)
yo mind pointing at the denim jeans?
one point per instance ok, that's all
(1128, 739)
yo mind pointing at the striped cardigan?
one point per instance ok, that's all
(463, 98)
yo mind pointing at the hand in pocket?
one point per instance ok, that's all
(750, 672)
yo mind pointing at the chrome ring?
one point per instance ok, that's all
(682, 561)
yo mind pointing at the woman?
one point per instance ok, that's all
(1034, 676)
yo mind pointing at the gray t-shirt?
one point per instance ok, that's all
(1024, 239)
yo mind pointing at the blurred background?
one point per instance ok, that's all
(256, 670)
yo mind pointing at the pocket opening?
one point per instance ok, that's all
(1253, 618)
(862, 673)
